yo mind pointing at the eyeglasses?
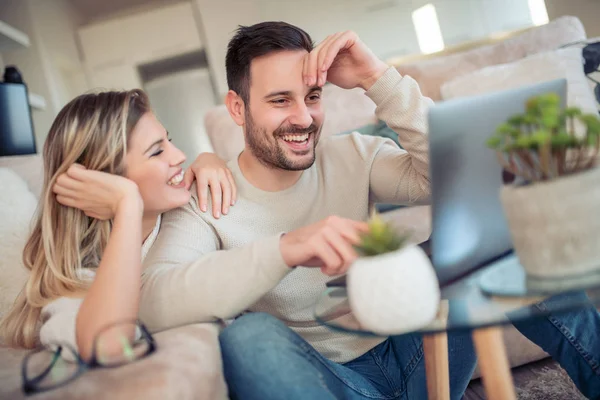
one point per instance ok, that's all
(57, 364)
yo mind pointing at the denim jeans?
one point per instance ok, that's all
(264, 359)
(571, 338)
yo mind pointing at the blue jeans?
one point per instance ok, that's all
(572, 339)
(264, 359)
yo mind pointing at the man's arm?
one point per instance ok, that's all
(401, 176)
(188, 279)
(396, 176)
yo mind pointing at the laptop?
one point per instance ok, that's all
(469, 229)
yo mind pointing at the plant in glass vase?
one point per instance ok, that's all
(551, 211)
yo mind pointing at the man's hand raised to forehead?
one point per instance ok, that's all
(344, 60)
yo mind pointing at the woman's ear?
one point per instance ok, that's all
(236, 107)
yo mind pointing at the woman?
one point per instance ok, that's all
(85, 259)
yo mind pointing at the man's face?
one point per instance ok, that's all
(283, 116)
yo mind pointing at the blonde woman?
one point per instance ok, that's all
(86, 249)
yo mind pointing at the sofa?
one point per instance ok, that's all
(187, 364)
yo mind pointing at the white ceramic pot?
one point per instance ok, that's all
(555, 225)
(395, 292)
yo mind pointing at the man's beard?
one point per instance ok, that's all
(269, 151)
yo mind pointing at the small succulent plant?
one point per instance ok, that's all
(381, 238)
(541, 144)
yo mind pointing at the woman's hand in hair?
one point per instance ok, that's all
(98, 194)
(210, 171)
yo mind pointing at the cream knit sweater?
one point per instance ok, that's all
(206, 269)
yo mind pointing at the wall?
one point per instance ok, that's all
(588, 11)
(95, 11)
(218, 23)
(384, 25)
(56, 23)
(51, 66)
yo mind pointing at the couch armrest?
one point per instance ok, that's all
(186, 365)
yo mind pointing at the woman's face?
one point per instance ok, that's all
(154, 164)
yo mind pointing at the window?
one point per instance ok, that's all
(428, 30)
(539, 14)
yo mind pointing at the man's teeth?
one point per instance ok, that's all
(295, 138)
(176, 180)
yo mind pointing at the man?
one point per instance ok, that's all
(278, 246)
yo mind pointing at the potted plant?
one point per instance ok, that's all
(553, 212)
(392, 286)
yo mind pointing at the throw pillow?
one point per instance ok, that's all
(17, 208)
(434, 72)
(564, 63)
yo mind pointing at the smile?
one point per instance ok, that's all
(300, 142)
(176, 179)
(295, 138)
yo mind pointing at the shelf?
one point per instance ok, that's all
(37, 102)
(12, 38)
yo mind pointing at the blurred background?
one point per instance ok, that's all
(175, 49)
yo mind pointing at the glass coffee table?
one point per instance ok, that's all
(481, 303)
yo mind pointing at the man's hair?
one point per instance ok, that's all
(250, 42)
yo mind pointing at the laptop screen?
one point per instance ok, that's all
(469, 229)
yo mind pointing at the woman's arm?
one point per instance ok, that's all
(115, 291)
(114, 295)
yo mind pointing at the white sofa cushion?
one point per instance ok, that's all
(564, 63)
(17, 207)
(432, 73)
(29, 167)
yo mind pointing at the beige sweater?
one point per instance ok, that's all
(204, 269)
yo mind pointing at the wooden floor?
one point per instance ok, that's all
(542, 380)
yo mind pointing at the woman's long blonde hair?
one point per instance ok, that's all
(92, 130)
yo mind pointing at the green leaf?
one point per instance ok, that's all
(592, 123)
(524, 142)
(549, 100)
(494, 142)
(540, 138)
(516, 120)
(551, 118)
(562, 140)
(532, 103)
(381, 238)
(530, 119)
(572, 112)
(505, 129)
